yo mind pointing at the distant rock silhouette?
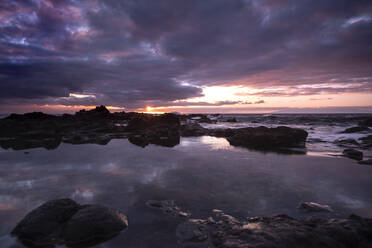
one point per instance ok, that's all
(99, 126)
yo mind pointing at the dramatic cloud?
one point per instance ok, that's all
(134, 53)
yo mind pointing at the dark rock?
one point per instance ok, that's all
(366, 141)
(314, 207)
(193, 129)
(231, 120)
(219, 132)
(43, 225)
(200, 118)
(145, 121)
(280, 231)
(366, 122)
(24, 143)
(92, 225)
(347, 142)
(139, 140)
(356, 129)
(367, 162)
(162, 136)
(205, 119)
(98, 112)
(63, 221)
(316, 140)
(353, 154)
(192, 231)
(268, 138)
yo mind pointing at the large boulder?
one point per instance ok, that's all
(64, 221)
(268, 138)
(92, 225)
(42, 225)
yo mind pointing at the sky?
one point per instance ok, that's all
(189, 56)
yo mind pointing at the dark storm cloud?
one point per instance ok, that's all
(132, 53)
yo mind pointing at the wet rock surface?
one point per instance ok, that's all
(278, 231)
(63, 221)
(168, 207)
(353, 154)
(314, 207)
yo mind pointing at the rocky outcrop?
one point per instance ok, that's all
(99, 126)
(268, 138)
(63, 221)
(280, 231)
(353, 154)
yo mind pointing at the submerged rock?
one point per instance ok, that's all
(280, 231)
(353, 154)
(366, 122)
(356, 129)
(366, 141)
(63, 221)
(314, 207)
(367, 162)
(231, 120)
(347, 142)
(167, 206)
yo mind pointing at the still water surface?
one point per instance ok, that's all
(200, 174)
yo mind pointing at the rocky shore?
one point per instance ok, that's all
(65, 222)
(280, 231)
(99, 126)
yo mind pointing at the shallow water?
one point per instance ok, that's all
(200, 174)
